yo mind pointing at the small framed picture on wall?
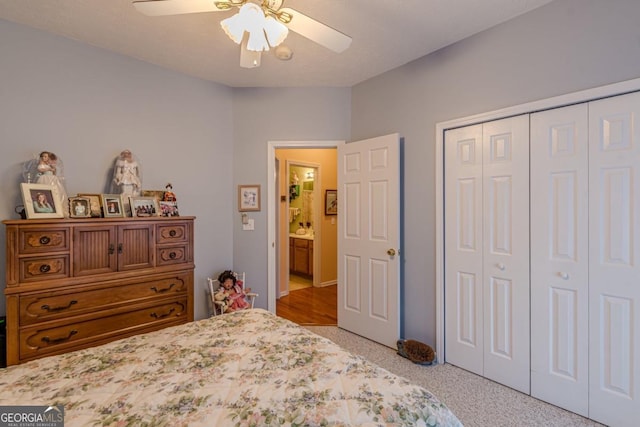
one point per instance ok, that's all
(248, 198)
(331, 202)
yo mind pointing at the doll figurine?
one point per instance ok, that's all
(169, 195)
(49, 172)
(231, 292)
(127, 176)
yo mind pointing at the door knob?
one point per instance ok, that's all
(564, 275)
(391, 252)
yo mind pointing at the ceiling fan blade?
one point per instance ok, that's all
(316, 31)
(249, 58)
(177, 7)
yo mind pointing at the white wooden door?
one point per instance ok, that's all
(487, 250)
(369, 238)
(559, 258)
(506, 251)
(464, 333)
(614, 260)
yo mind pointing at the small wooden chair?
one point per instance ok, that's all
(218, 307)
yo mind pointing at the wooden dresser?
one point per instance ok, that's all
(76, 283)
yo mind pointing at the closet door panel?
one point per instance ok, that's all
(559, 257)
(614, 255)
(506, 251)
(463, 249)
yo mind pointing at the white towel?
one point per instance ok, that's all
(293, 213)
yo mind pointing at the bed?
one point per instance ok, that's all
(244, 368)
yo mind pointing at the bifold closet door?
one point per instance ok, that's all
(464, 332)
(487, 250)
(614, 260)
(559, 258)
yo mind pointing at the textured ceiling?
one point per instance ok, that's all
(386, 34)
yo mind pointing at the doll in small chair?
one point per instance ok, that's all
(231, 292)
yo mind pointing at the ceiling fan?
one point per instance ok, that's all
(255, 27)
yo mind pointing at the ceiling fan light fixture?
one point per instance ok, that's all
(276, 31)
(251, 19)
(234, 28)
(257, 41)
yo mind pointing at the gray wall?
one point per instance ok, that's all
(563, 47)
(87, 104)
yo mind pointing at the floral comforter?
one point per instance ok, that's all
(247, 368)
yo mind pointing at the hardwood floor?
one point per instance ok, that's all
(310, 306)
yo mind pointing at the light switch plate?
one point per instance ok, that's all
(249, 226)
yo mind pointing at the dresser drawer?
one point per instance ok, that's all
(173, 233)
(38, 342)
(33, 241)
(55, 305)
(172, 255)
(35, 269)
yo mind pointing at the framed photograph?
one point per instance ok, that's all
(95, 204)
(41, 201)
(112, 204)
(144, 207)
(331, 202)
(248, 198)
(169, 208)
(79, 207)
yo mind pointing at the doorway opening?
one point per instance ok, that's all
(323, 295)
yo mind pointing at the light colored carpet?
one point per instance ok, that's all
(476, 401)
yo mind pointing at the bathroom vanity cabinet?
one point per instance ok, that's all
(301, 255)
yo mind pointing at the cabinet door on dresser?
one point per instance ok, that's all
(94, 250)
(110, 248)
(135, 246)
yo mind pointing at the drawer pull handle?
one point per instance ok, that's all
(162, 316)
(172, 233)
(54, 309)
(172, 255)
(111, 249)
(45, 268)
(45, 240)
(59, 340)
(160, 291)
